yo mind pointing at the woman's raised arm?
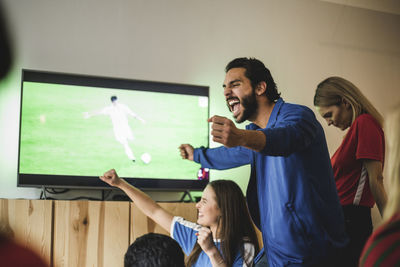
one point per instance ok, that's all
(148, 206)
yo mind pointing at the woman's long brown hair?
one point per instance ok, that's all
(235, 226)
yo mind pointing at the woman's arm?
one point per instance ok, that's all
(374, 169)
(148, 206)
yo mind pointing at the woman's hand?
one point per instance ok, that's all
(111, 177)
(206, 242)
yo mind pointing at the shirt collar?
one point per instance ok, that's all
(272, 118)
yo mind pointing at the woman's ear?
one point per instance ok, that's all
(261, 88)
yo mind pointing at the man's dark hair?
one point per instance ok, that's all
(154, 250)
(113, 98)
(256, 72)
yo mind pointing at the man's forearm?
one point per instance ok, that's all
(254, 140)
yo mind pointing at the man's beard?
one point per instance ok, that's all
(249, 105)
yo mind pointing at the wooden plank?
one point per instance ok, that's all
(90, 233)
(141, 224)
(86, 233)
(30, 223)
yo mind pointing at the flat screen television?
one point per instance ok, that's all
(73, 128)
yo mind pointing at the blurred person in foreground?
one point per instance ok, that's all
(383, 246)
(12, 254)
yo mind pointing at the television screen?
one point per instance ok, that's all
(75, 127)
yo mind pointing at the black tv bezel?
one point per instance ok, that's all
(92, 182)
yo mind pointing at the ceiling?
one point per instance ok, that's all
(387, 6)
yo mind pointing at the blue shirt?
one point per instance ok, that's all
(184, 233)
(291, 194)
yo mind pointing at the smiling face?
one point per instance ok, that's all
(208, 210)
(340, 116)
(239, 94)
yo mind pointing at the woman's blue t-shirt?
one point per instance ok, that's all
(184, 233)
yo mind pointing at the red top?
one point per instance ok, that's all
(383, 246)
(364, 140)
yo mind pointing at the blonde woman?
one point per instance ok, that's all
(358, 162)
(383, 246)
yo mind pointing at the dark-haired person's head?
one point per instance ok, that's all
(256, 72)
(247, 85)
(154, 250)
(113, 98)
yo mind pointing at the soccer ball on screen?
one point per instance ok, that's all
(146, 158)
(42, 118)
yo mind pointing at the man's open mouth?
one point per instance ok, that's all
(234, 105)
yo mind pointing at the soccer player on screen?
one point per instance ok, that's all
(122, 131)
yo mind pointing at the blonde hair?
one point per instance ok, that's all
(393, 134)
(333, 90)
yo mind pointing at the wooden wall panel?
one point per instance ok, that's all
(82, 233)
(30, 222)
(141, 224)
(90, 233)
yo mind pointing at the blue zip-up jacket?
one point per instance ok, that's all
(291, 194)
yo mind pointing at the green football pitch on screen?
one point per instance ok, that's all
(58, 139)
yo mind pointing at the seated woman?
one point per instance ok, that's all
(224, 234)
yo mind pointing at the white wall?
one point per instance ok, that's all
(187, 41)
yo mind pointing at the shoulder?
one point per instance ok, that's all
(367, 124)
(296, 109)
(295, 113)
(366, 119)
(184, 233)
